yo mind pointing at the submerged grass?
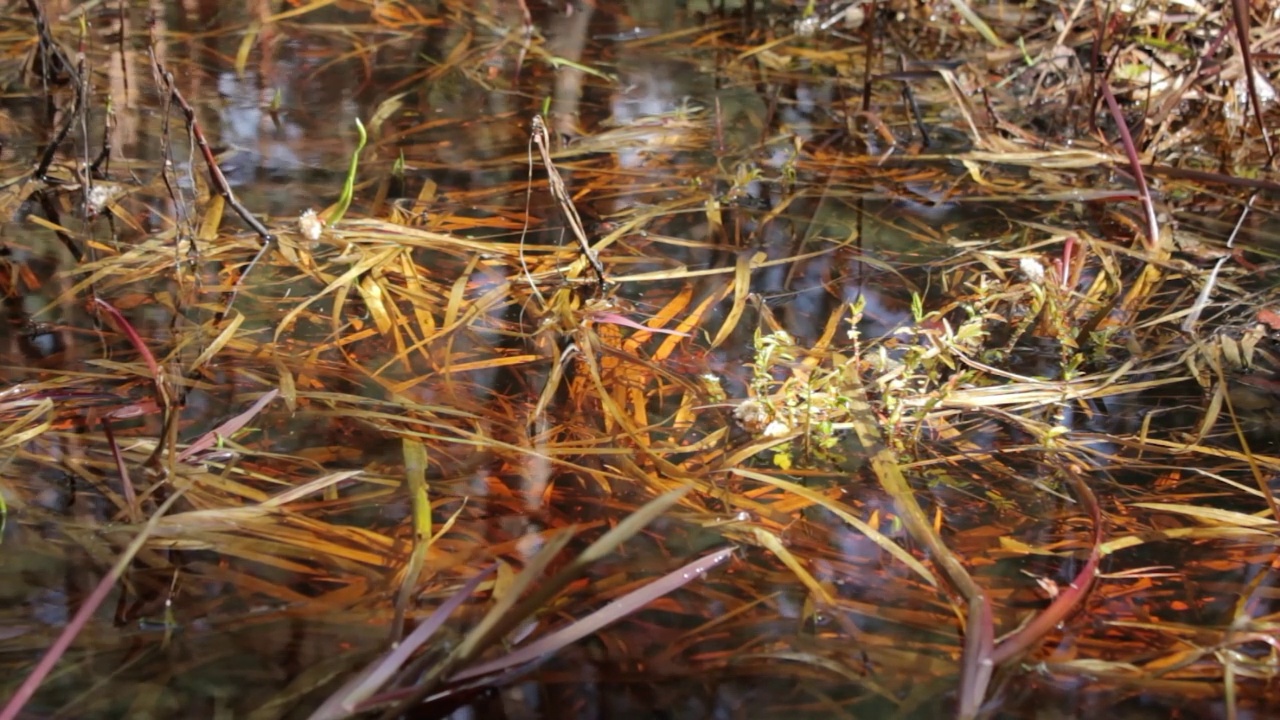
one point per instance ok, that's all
(778, 423)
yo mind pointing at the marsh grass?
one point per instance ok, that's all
(767, 446)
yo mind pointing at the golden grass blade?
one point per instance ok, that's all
(367, 262)
(224, 337)
(28, 426)
(415, 466)
(414, 284)
(741, 291)
(211, 218)
(245, 47)
(841, 511)
(774, 545)
(320, 484)
(375, 299)
(288, 386)
(1214, 516)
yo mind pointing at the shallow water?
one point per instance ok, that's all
(679, 124)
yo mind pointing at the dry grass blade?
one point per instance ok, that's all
(344, 702)
(612, 612)
(228, 428)
(343, 282)
(298, 492)
(843, 513)
(31, 424)
(506, 614)
(567, 208)
(773, 544)
(741, 290)
(415, 465)
(499, 620)
(1214, 516)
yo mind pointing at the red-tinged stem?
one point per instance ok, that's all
(134, 338)
(1135, 166)
(162, 395)
(1240, 11)
(1068, 600)
(126, 484)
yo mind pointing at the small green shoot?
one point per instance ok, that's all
(348, 187)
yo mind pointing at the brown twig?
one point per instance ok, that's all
(562, 198)
(526, 35)
(132, 508)
(216, 178)
(53, 60)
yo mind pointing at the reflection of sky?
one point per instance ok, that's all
(259, 145)
(657, 91)
(646, 94)
(257, 142)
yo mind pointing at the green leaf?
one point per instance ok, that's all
(348, 187)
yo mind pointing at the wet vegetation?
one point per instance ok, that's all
(639, 359)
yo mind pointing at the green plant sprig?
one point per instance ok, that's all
(348, 187)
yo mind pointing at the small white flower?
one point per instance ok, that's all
(100, 196)
(776, 429)
(310, 225)
(854, 16)
(807, 26)
(752, 414)
(1032, 268)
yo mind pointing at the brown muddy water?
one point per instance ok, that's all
(752, 179)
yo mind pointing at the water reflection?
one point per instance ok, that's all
(644, 124)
